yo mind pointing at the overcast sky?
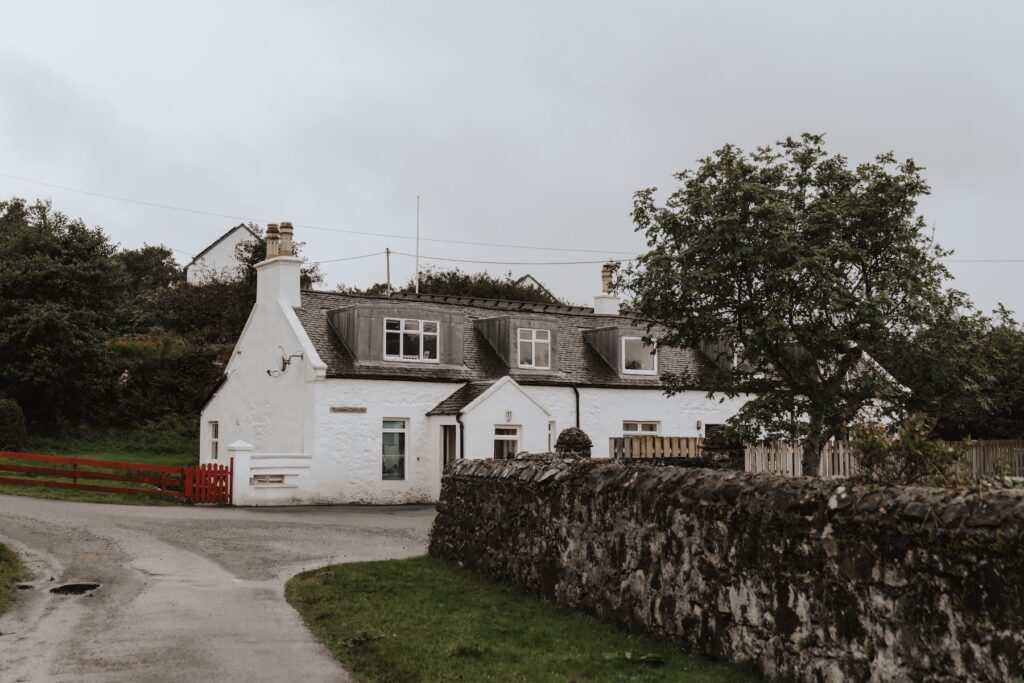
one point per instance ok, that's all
(518, 123)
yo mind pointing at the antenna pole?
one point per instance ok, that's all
(417, 244)
(387, 255)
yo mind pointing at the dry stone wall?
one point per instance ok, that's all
(811, 579)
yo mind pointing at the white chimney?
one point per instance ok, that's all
(277, 278)
(606, 303)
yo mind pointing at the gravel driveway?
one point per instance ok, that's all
(186, 593)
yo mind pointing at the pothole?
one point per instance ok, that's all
(75, 588)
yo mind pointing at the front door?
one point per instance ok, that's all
(449, 447)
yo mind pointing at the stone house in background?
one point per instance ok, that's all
(340, 398)
(218, 261)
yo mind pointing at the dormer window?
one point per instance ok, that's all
(411, 340)
(638, 358)
(534, 349)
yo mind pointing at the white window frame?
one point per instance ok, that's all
(552, 435)
(404, 429)
(515, 438)
(214, 439)
(654, 355)
(401, 331)
(532, 339)
(639, 431)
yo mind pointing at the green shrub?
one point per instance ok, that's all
(13, 432)
(906, 457)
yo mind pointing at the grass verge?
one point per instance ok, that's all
(99, 449)
(425, 619)
(11, 572)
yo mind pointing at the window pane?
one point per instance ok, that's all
(410, 345)
(505, 449)
(392, 324)
(214, 429)
(506, 431)
(430, 346)
(525, 353)
(392, 344)
(412, 325)
(636, 356)
(629, 427)
(543, 335)
(393, 443)
(394, 424)
(393, 468)
(650, 426)
(543, 355)
(430, 327)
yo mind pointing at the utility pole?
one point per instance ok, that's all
(387, 255)
(417, 244)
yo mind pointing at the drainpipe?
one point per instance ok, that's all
(576, 391)
(462, 439)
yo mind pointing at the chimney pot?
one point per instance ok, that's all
(606, 278)
(287, 246)
(273, 241)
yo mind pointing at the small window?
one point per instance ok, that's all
(638, 428)
(214, 439)
(267, 479)
(534, 348)
(411, 340)
(638, 358)
(393, 450)
(506, 442)
(552, 435)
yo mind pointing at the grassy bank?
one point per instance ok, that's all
(119, 447)
(11, 572)
(425, 619)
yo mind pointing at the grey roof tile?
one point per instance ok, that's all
(579, 364)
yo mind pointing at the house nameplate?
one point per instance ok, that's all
(347, 409)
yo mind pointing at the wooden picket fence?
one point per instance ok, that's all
(655, 447)
(197, 483)
(839, 459)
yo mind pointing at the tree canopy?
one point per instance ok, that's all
(795, 265)
(455, 282)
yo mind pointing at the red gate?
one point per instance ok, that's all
(197, 483)
(208, 483)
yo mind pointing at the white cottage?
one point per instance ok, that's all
(338, 398)
(218, 260)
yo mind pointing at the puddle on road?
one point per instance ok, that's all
(75, 588)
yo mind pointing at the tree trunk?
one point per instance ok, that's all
(813, 443)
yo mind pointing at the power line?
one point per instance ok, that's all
(365, 233)
(350, 258)
(511, 263)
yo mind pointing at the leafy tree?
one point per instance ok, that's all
(965, 372)
(795, 264)
(59, 292)
(148, 271)
(455, 282)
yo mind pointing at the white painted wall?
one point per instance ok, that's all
(480, 420)
(347, 462)
(272, 412)
(219, 263)
(602, 411)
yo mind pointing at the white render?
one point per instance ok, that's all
(218, 261)
(299, 437)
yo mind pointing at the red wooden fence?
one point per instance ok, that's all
(198, 483)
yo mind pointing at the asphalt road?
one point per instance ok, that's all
(186, 593)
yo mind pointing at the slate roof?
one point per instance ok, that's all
(579, 363)
(461, 398)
